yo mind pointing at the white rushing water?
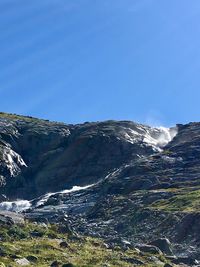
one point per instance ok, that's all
(17, 206)
(13, 161)
(75, 188)
(160, 136)
(22, 205)
(156, 137)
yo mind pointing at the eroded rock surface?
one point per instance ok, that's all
(114, 180)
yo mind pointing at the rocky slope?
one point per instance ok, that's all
(127, 183)
(56, 246)
(39, 156)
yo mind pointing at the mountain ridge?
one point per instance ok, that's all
(117, 180)
(50, 138)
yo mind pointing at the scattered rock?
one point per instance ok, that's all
(4, 220)
(137, 250)
(23, 262)
(185, 260)
(32, 258)
(2, 198)
(171, 258)
(2, 252)
(36, 234)
(105, 245)
(64, 244)
(163, 244)
(10, 218)
(168, 265)
(68, 265)
(65, 229)
(55, 264)
(14, 256)
(133, 261)
(126, 244)
(52, 201)
(156, 261)
(149, 249)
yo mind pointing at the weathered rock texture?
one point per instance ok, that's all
(38, 156)
(146, 180)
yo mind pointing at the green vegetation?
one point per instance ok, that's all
(24, 118)
(18, 242)
(185, 201)
(15, 116)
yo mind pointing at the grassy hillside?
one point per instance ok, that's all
(20, 242)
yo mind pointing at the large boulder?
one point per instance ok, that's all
(32, 258)
(3, 252)
(188, 261)
(163, 244)
(133, 261)
(55, 264)
(22, 262)
(68, 265)
(149, 249)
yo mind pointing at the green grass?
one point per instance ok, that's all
(82, 252)
(183, 201)
(17, 117)
(29, 119)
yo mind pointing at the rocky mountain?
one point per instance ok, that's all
(39, 156)
(129, 184)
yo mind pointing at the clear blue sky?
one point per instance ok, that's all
(88, 60)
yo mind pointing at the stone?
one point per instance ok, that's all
(36, 234)
(133, 261)
(32, 258)
(163, 244)
(126, 243)
(156, 261)
(68, 265)
(185, 260)
(55, 264)
(23, 262)
(65, 228)
(105, 245)
(64, 244)
(149, 249)
(61, 155)
(168, 265)
(2, 252)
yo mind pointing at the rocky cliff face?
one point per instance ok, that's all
(39, 156)
(113, 179)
